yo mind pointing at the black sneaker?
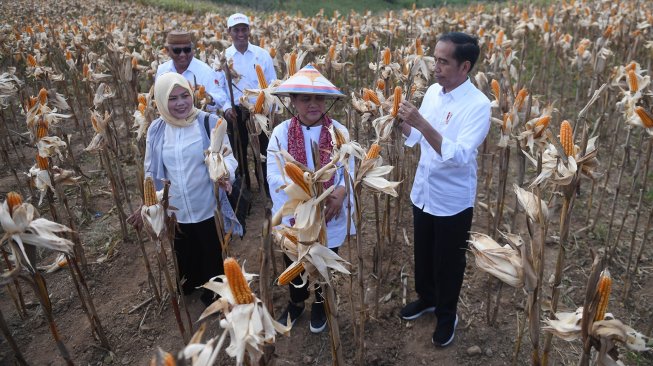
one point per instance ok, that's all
(416, 309)
(444, 332)
(318, 317)
(294, 311)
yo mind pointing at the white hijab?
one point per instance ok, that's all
(162, 88)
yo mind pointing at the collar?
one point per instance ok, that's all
(232, 49)
(459, 92)
(191, 66)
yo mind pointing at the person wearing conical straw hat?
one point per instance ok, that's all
(176, 142)
(179, 46)
(449, 126)
(309, 92)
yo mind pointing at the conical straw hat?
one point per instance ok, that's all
(308, 81)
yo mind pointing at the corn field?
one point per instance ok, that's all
(559, 267)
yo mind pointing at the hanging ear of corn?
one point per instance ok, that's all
(339, 137)
(296, 174)
(632, 81)
(418, 47)
(520, 98)
(258, 107)
(43, 96)
(566, 138)
(396, 102)
(290, 273)
(31, 61)
(262, 83)
(273, 52)
(387, 56)
(42, 128)
(496, 89)
(542, 121)
(373, 152)
(603, 288)
(237, 283)
(370, 95)
(142, 99)
(332, 52)
(646, 118)
(149, 192)
(42, 162)
(14, 199)
(292, 67)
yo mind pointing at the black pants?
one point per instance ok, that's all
(240, 152)
(198, 252)
(440, 248)
(300, 294)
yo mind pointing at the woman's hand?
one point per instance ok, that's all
(334, 203)
(136, 219)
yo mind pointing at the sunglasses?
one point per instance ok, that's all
(178, 50)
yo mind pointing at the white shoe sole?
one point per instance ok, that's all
(415, 316)
(448, 342)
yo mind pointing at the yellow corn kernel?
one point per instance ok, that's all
(646, 118)
(296, 174)
(42, 162)
(371, 96)
(396, 102)
(632, 81)
(520, 98)
(290, 273)
(258, 107)
(237, 283)
(14, 199)
(149, 192)
(292, 68)
(566, 138)
(373, 152)
(273, 52)
(603, 289)
(43, 96)
(387, 56)
(262, 83)
(41, 128)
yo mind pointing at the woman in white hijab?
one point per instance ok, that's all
(176, 142)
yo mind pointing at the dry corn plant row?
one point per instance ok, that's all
(538, 64)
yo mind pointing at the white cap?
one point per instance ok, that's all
(237, 18)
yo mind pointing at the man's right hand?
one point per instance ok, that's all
(230, 115)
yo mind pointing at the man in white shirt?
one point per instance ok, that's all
(180, 48)
(245, 56)
(450, 125)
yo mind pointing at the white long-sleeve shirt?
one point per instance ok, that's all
(244, 65)
(199, 73)
(445, 184)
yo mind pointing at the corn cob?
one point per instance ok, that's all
(141, 108)
(332, 52)
(237, 283)
(297, 176)
(367, 40)
(373, 152)
(42, 128)
(631, 66)
(603, 288)
(300, 39)
(418, 47)
(134, 63)
(566, 138)
(142, 99)
(499, 40)
(290, 273)
(262, 83)
(273, 52)
(542, 121)
(85, 70)
(292, 68)
(94, 123)
(168, 360)
(13, 200)
(149, 192)
(258, 107)
(496, 89)
(397, 101)
(69, 55)
(520, 98)
(357, 42)
(546, 26)
(201, 92)
(43, 96)
(632, 81)
(371, 96)
(387, 56)
(608, 32)
(380, 84)
(42, 162)
(31, 61)
(339, 137)
(646, 118)
(506, 118)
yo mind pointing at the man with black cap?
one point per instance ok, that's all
(245, 56)
(180, 48)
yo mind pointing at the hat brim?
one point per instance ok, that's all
(288, 91)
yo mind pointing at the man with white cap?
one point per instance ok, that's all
(245, 56)
(180, 48)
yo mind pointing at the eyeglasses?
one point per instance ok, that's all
(178, 50)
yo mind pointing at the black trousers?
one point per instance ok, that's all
(440, 249)
(198, 252)
(300, 294)
(240, 152)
